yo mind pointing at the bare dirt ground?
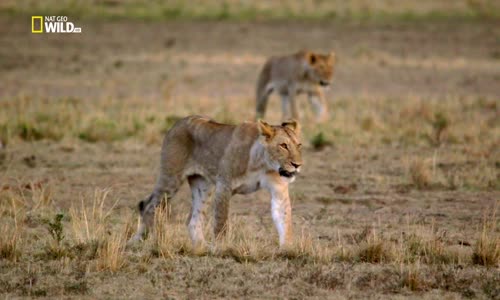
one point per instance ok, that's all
(414, 158)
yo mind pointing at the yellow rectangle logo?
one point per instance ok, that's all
(33, 30)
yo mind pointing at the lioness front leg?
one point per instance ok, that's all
(222, 196)
(281, 209)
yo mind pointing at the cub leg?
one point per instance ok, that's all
(318, 103)
(262, 99)
(200, 191)
(285, 107)
(222, 196)
(263, 89)
(293, 104)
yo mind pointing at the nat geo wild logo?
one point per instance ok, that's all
(53, 24)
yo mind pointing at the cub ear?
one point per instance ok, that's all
(292, 124)
(265, 129)
(332, 56)
(312, 58)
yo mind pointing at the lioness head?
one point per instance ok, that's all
(319, 67)
(283, 147)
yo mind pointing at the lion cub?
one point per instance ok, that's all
(302, 72)
(230, 159)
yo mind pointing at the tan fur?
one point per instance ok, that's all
(233, 159)
(291, 75)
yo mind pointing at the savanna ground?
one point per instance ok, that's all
(399, 191)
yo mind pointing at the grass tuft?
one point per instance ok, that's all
(320, 141)
(111, 253)
(169, 238)
(412, 278)
(241, 244)
(420, 173)
(90, 223)
(56, 228)
(440, 124)
(374, 249)
(431, 250)
(487, 248)
(10, 243)
(76, 287)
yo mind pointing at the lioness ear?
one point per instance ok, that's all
(265, 129)
(292, 124)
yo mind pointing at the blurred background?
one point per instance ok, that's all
(260, 10)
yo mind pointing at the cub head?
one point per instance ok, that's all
(319, 67)
(283, 147)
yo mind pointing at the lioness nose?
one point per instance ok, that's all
(296, 165)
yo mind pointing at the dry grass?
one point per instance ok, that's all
(10, 243)
(308, 249)
(420, 173)
(374, 250)
(242, 244)
(90, 223)
(416, 258)
(425, 246)
(487, 248)
(412, 278)
(111, 253)
(169, 238)
(440, 124)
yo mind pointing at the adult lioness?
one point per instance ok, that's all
(238, 159)
(302, 72)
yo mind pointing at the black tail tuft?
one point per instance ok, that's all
(142, 206)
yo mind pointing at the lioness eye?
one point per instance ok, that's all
(299, 145)
(284, 146)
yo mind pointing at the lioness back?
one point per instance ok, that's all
(290, 75)
(196, 144)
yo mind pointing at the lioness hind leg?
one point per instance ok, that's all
(148, 206)
(200, 192)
